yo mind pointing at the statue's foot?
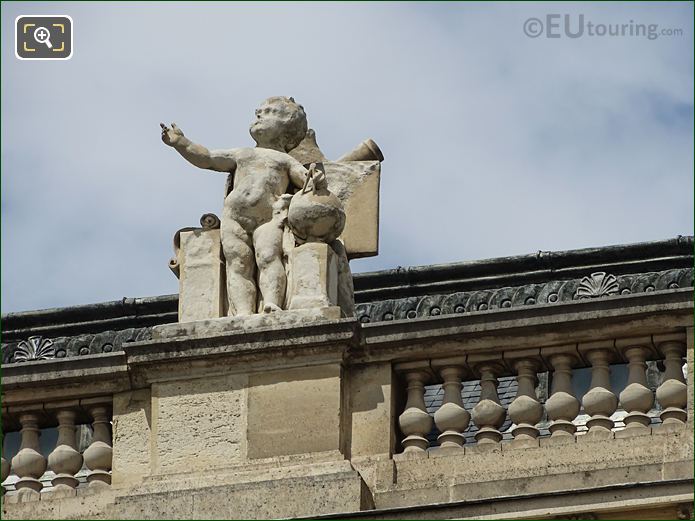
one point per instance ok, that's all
(270, 308)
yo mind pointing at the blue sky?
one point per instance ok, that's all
(496, 143)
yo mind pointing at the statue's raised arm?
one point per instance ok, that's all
(197, 155)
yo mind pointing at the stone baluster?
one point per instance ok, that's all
(451, 418)
(98, 455)
(29, 464)
(488, 414)
(525, 410)
(637, 398)
(5, 463)
(562, 406)
(65, 461)
(415, 422)
(600, 402)
(673, 392)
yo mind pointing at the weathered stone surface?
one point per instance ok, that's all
(198, 424)
(132, 434)
(325, 410)
(80, 507)
(308, 150)
(294, 411)
(103, 342)
(270, 251)
(690, 376)
(316, 214)
(652, 500)
(280, 319)
(261, 176)
(366, 151)
(275, 497)
(200, 275)
(372, 405)
(356, 183)
(314, 278)
(529, 327)
(104, 327)
(551, 292)
(484, 475)
(64, 379)
(252, 225)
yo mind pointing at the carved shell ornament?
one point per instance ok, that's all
(596, 285)
(34, 348)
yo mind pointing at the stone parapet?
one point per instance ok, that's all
(212, 420)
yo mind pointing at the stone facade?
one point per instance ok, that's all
(481, 390)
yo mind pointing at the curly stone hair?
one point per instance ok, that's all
(296, 120)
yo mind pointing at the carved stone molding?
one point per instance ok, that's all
(41, 348)
(599, 284)
(34, 348)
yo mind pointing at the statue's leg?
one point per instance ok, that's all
(240, 268)
(346, 291)
(272, 279)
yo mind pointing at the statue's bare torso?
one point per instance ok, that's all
(260, 178)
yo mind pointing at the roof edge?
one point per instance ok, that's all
(396, 283)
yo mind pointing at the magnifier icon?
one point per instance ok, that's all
(43, 35)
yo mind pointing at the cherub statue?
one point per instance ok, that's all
(261, 176)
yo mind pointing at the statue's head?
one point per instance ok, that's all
(280, 124)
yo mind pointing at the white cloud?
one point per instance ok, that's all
(496, 143)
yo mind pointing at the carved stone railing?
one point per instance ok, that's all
(64, 460)
(562, 408)
(333, 416)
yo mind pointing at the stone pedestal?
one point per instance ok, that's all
(314, 277)
(201, 284)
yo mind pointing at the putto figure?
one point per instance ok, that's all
(261, 176)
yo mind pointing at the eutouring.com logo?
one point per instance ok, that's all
(576, 26)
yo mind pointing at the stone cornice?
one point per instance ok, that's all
(346, 341)
(521, 270)
(592, 285)
(526, 327)
(64, 379)
(462, 288)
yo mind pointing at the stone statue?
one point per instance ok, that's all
(278, 213)
(261, 176)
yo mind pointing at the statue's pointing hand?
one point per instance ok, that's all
(171, 136)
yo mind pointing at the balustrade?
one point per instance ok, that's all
(637, 398)
(526, 411)
(64, 460)
(98, 455)
(563, 408)
(488, 414)
(451, 418)
(415, 422)
(673, 392)
(600, 402)
(29, 464)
